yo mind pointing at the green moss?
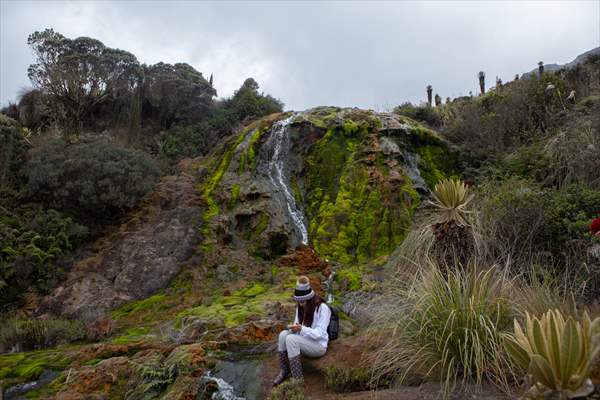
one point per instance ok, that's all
(235, 193)
(29, 366)
(236, 308)
(296, 192)
(248, 157)
(263, 223)
(133, 335)
(211, 183)
(353, 277)
(436, 160)
(153, 303)
(362, 222)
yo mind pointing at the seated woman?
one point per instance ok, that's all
(308, 334)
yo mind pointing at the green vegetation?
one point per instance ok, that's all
(32, 243)
(211, 183)
(447, 327)
(341, 380)
(288, 390)
(133, 335)
(20, 367)
(241, 304)
(96, 178)
(150, 305)
(34, 334)
(351, 217)
(557, 353)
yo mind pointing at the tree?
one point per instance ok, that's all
(176, 93)
(78, 75)
(248, 102)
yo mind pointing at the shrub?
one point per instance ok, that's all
(523, 221)
(446, 328)
(34, 334)
(95, 178)
(33, 243)
(574, 155)
(423, 113)
(289, 390)
(12, 155)
(557, 353)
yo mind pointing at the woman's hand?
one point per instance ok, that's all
(296, 328)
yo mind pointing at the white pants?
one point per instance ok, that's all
(295, 344)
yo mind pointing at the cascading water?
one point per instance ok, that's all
(225, 391)
(280, 138)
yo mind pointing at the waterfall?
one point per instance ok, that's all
(280, 138)
(225, 391)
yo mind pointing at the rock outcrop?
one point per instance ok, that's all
(141, 257)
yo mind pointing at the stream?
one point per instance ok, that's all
(238, 375)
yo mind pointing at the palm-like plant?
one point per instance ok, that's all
(453, 234)
(429, 94)
(557, 352)
(481, 76)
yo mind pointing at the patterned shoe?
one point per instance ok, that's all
(296, 367)
(284, 368)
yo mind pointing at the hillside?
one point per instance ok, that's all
(161, 265)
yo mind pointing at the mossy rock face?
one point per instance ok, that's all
(348, 171)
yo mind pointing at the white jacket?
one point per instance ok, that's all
(318, 330)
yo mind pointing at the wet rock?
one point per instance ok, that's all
(224, 273)
(306, 261)
(108, 379)
(189, 359)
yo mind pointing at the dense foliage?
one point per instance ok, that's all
(33, 242)
(94, 178)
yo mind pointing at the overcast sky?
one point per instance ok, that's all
(366, 54)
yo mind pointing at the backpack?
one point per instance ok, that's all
(333, 328)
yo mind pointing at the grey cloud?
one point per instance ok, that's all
(366, 54)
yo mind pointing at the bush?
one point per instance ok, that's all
(33, 242)
(449, 329)
(289, 390)
(12, 154)
(432, 116)
(35, 334)
(96, 178)
(520, 220)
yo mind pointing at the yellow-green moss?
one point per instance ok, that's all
(352, 276)
(235, 193)
(133, 335)
(211, 183)
(236, 308)
(436, 160)
(30, 365)
(263, 223)
(153, 303)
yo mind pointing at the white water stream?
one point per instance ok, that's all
(225, 390)
(280, 138)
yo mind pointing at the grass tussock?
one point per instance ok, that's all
(447, 328)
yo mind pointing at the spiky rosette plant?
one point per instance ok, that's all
(557, 353)
(454, 242)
